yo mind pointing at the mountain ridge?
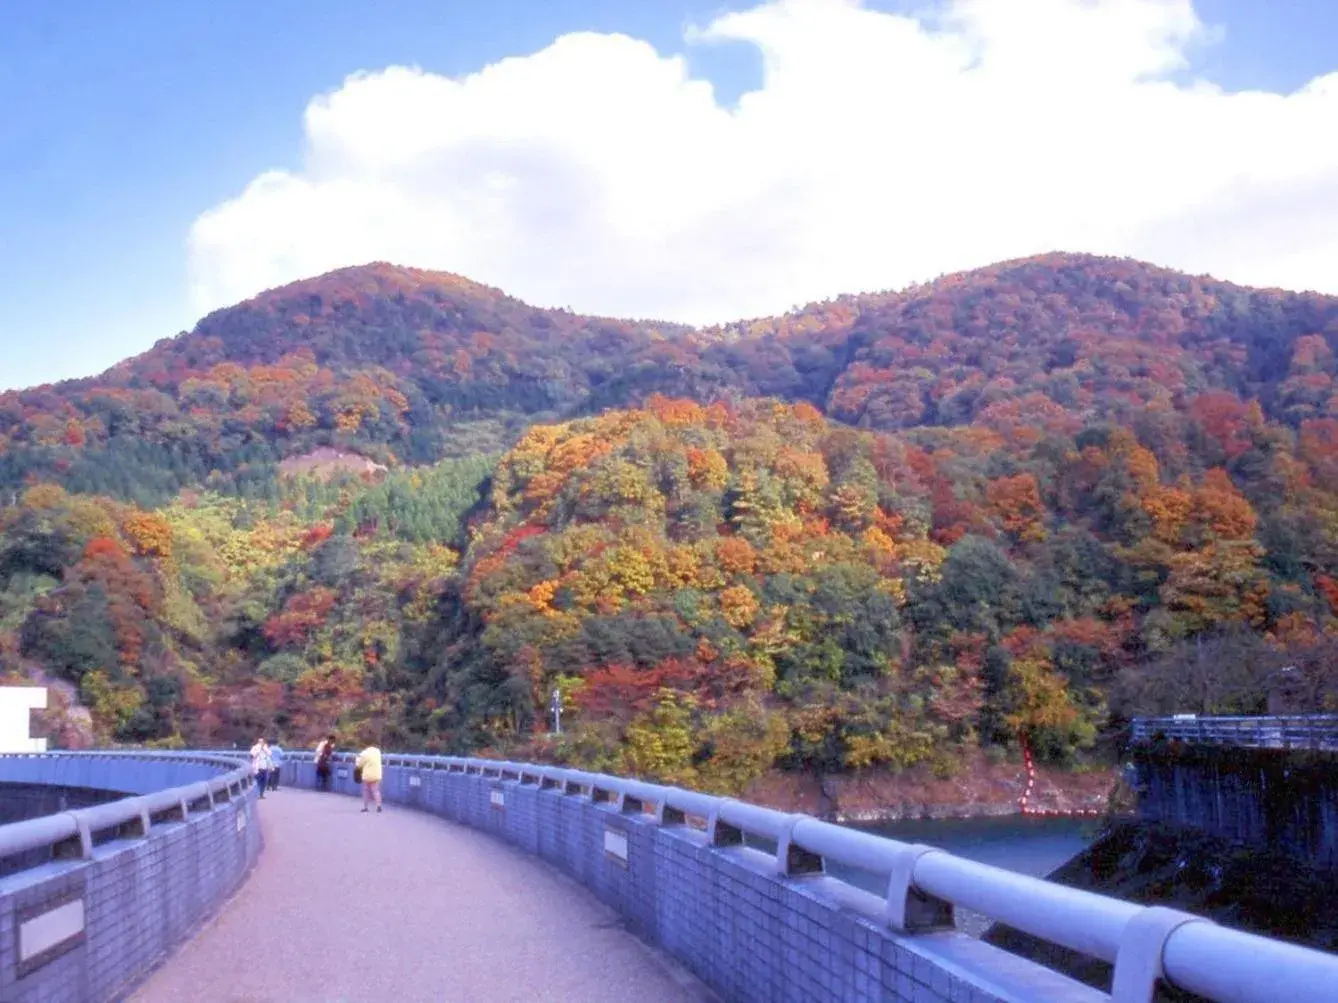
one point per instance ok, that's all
(413, 279)
(381, 357)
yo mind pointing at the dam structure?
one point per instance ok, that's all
(486, 879)
(1259, 781)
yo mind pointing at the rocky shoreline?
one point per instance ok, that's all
(979, 788)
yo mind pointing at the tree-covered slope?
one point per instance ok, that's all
(408, 366)
(1057, 336)
(720, 589)
(213, 618)
(876, 531)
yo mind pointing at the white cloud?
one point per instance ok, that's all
(879, 150)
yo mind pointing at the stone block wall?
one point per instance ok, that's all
(81, 930)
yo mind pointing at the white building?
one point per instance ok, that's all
(16, 706)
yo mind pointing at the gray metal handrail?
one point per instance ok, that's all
(1292, 731)
(82, 824)
(923, 884)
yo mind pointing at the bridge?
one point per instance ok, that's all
(1318, 732)
(488, 880)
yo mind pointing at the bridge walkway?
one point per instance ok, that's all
(405, 907)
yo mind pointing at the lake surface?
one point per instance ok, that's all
(1028, 845)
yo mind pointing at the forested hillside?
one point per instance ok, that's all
(215, 617)
(1004, 507)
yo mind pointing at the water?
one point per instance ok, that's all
(1026, 844)
(1029, 845)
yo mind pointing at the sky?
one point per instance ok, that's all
(672, 159)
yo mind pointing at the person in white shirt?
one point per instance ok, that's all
(261, 763)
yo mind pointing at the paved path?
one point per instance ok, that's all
(406, 907)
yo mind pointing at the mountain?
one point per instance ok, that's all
(1099, 338)
(402, 365)
(407, 367)
(891, 530)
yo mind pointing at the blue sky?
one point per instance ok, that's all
(123, 122)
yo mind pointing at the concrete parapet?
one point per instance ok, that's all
(753, 900)
(124, 882)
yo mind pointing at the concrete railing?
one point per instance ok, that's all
(106, 892)
(762, 924)
(1313, 731)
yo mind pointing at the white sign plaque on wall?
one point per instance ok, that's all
(415, 781)
(615, 845)
(16, 706)
(47, 930)
(498, 799)
(41, 933)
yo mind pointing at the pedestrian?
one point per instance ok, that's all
(261, 763)
(368, 765)
(324, 755)
(276, 764)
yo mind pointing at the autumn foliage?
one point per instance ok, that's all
(1006, 506)
(299, 617)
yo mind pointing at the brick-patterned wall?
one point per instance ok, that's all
(723, 912)
(141, 897)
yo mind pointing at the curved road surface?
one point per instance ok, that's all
(405, 907)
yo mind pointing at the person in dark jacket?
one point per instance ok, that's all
(324, 758)
(276, 764)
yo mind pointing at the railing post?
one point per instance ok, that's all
(80, 846)
(1138, 962)
(573, 787)
(145, 822)
(908, 909)
(718, 831)
(629, 804)
(793, 860)
(667, 814)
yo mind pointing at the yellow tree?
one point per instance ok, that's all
(659, 744)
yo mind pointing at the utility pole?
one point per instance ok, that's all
(555, 705)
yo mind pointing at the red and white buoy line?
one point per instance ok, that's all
(1024, 805)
